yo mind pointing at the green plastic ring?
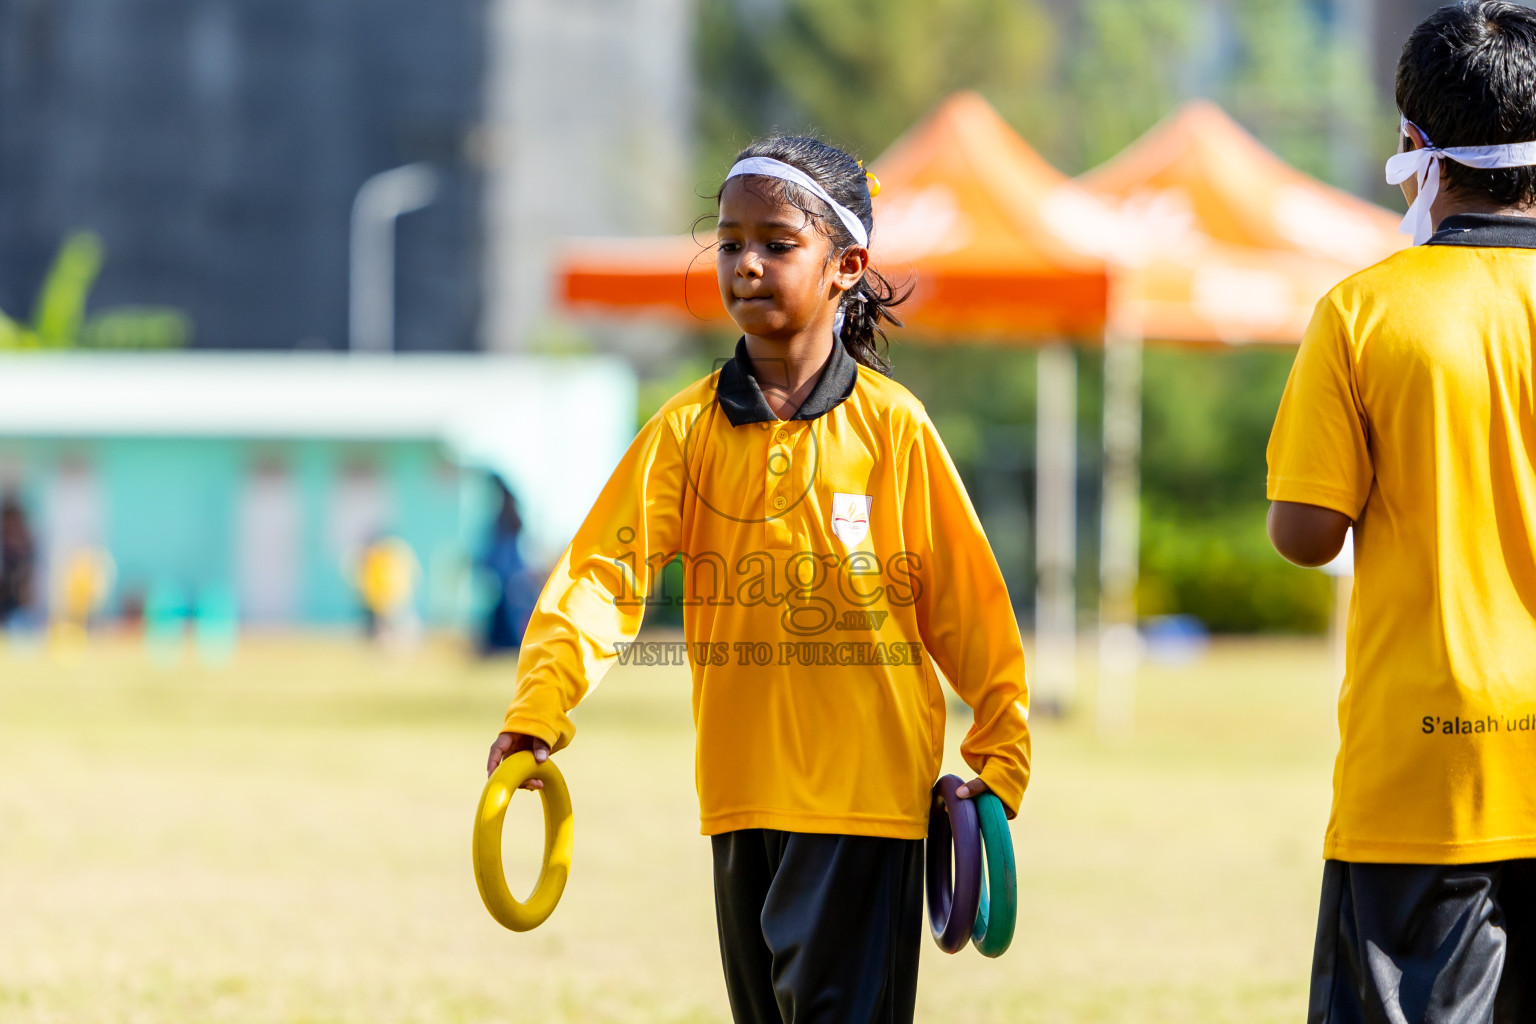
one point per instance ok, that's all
(999, 910)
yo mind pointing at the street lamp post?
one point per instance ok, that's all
(383, 199)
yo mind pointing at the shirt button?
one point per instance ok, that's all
(779, 501)
(781, 436)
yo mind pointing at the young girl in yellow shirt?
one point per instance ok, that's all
(833, 568)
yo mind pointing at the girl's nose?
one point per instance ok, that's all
(749, 265)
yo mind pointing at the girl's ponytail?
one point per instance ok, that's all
(866, 307)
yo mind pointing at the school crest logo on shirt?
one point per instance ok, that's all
(850, 517)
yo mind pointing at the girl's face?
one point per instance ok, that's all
(775, 278)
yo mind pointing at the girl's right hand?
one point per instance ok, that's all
(509, 743)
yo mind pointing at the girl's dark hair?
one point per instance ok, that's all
(867, 306)
(1467, 77)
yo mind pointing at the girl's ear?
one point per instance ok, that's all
(850, 267)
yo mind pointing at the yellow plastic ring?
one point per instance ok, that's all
(559, 842)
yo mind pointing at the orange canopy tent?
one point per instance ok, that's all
(1195, 290)
(1244, 243)
(998, 244)
(1208, 236)
(1204, 167)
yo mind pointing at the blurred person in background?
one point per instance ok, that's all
(84, 582)
(386, 576)
(502, 559)
(1410, 414)
(846, 571)
(18, 562)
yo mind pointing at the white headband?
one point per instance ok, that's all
(771, 168)
(1425, 164)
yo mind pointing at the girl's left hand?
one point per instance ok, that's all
(973, 788)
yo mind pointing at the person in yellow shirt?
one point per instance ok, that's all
(386, 576)
(834, 568)
(1410, 414)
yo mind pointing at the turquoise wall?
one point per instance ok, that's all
(170, 509)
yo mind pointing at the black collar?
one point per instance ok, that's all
(743, 400)
(1486, 229)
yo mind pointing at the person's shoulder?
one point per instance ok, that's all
(1393, 275)
(685, 406)
(887, 396)
(887, 402)
(1357, 302)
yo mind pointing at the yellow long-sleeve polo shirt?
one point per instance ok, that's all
(833, 567)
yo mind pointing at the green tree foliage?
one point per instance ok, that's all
(59, 319)
(860, 72)
(1283, 88)
(1301, 87)
(61, 304)
(1125, 71)
(1080, 82)
(1221, 569)
(1278, 66)
(1205, 423)
(1204, 551)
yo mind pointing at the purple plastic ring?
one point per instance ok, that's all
(953, 896)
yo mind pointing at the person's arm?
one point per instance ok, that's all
(966, 620)
(1308, 535)
(595, 597)
(1320, 468)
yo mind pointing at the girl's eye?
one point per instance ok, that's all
(779, 246)
(729, 246)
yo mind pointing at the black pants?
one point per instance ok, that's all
(1426, 944)
(819, 929)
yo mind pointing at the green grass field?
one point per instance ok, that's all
(287, 839)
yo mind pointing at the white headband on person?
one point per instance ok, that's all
(1424, 163)
(771, 168)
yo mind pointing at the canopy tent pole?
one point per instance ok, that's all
(1119, 554)
(1054, 683)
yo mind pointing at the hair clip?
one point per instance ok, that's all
(874, 182)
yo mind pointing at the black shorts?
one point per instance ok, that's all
(819, 929)
(1426, 944)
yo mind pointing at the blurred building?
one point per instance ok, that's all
(589, 123)
(1389, 23)
(217, 147)
(264, 477)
